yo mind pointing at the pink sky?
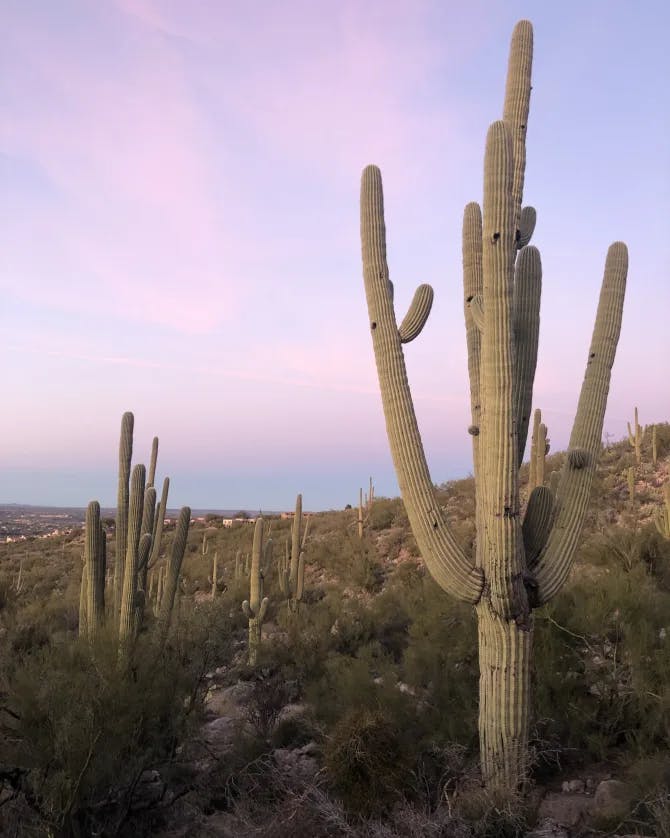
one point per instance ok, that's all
(180, 230)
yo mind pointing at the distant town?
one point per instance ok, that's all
(19, 522)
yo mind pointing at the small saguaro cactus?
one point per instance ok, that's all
(654, 446)
(518, 565)
(360, 513)
(292, 568)
(662, 519)
(255, 608)
(635, 437)
(239, 565)
(630, 477)
(539, 448)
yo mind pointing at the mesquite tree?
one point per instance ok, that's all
(519, 563)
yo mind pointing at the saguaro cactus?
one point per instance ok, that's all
(95, 562)
(360, 513)
(292, 569)
(125, 457)
(517, 565)
(635, 437)
(255, 608)
(172, 569)
(539, 448)
(654, 446)
(662, 519)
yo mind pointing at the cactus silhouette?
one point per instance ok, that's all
(515, 568)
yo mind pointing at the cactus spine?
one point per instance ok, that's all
(502, 293)
(662, 519)
(255, 608)
(635, 437)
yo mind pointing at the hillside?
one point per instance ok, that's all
(359, 717)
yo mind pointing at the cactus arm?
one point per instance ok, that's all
(473, 288)
(555, 561)
(526, 329)
(516, 107)
(83, 601)
(295, 540)
(125, 457)
(127, 621)
(537, 521)
(445, 560)
(502, 556)
(94, 557)
(300, 589)
(662, 518)
(173, 569)
(159, 522)
(255, 576)
(414, 321)
(526, 226)
(151, 476)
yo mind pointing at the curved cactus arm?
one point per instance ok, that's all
(173, 569)
(417, 314)
(159, 522)
(151, 475)
(503, 560)
(143, 552)
(555, 561)
(123, 494)
(83, 601)
(263, 609)
(526, 330)
(446, 561)
(246, 610)
(537, 521)
(515, 109)
(477, 311)
(526, 226)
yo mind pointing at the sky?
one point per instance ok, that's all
(179, 230)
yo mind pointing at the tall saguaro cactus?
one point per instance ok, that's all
(518, 564)
(95, 561)
(539, 448)
(255, 608)
(123, 495)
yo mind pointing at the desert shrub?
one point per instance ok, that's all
(80, 729)
(365, 761)
(382, 513)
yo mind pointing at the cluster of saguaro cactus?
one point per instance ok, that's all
(139, 527)
(255, 608)
(635, 437)
(518, 564)
(291, 567)
(662, 519)
(539, 448)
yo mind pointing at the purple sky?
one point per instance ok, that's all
(179, 230)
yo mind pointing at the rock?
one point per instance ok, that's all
(573, 787)
(612, 799)
(298, 764)
(565, 809)
(549, 828)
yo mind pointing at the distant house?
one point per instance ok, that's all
(227, 522)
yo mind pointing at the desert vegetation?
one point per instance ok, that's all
(319, 676)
